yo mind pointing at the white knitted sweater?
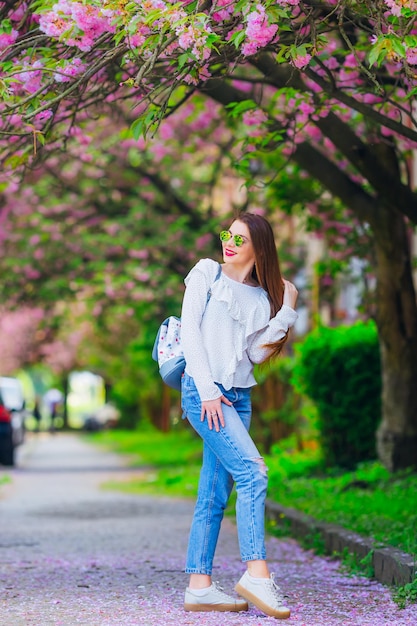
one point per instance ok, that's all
(222, 339)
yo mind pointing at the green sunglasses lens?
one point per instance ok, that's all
(226, 235)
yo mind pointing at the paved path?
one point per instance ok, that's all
(73, 553)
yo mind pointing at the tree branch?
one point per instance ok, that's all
(309, 158)
(281, 75)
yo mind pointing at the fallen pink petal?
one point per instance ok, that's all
(73, 553)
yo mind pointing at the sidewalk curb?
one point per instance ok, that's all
(392, 566)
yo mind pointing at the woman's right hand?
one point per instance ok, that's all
(212, 410)
(290, 294)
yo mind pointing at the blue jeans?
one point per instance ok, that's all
(229, 456)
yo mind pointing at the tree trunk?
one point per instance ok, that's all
(65, 385)
(396, 318)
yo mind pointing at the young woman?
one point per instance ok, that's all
(233, 315)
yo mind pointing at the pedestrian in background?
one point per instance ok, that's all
(233, 316)
(37, 413)
(53, 400)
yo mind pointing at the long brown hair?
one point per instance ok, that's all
(266, 270)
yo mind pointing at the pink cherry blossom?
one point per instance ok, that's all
(42, 117)
(395, 6)
(411, 56)
(223, 10)
(69, 70)
(6, 39)
(258, 32)
(301, 61)
(31, 77)
(88, 21)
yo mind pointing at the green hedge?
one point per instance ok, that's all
(279, 411)
(339, 369)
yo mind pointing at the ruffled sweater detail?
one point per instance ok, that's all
(224, 337)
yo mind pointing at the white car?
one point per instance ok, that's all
(12, 418)
(105, 417)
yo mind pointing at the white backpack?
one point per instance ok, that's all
(167, 351)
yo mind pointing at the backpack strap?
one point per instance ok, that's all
(219, 272)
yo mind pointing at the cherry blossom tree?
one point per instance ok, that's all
(328, 85)
(158, 52)
(102, 229)
(110, 214)
(21, 338)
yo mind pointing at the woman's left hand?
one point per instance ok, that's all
(212, 409)
(290, 294)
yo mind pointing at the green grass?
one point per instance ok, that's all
(171, 460)
(407, 593)
(152, 447)
(369, 501)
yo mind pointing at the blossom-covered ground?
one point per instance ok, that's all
(71, 553)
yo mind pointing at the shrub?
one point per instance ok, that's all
(278, 410)
(339, 369)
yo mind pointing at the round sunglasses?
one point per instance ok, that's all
(226, 235)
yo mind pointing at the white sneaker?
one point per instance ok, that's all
(213, 600)
(265, 594)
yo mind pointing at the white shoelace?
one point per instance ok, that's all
(276, 591)
(219, 589)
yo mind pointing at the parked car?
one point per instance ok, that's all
(105, 417)
(12, 418)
